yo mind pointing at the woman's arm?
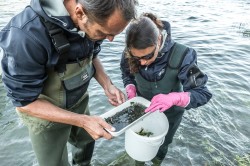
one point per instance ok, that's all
(194, 81)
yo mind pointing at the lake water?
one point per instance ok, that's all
(215, 134)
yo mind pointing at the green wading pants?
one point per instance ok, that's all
(49, 139)
(174, 119)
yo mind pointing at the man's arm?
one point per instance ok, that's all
(43, 109)
(116, 97)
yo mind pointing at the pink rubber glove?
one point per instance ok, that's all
(131, 91)
(163, 102)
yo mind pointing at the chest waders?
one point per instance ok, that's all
(65, 87)
(169, 83)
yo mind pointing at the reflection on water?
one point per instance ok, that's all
(215, 134)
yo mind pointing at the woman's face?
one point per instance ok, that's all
(146, 56)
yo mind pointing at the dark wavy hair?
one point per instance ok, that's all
(140, 34)
(101, 10)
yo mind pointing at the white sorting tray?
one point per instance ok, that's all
(126, 104)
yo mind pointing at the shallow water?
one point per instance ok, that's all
(215, 134)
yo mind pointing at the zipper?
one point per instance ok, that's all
(64, 23)
(155, 83)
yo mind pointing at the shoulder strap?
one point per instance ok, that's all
(177, 54)
(60, 43)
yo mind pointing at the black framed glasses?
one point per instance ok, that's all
(145, 57)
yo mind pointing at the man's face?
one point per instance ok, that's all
(114, 25)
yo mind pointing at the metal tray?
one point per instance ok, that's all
(126, 104)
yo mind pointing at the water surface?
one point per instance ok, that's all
(215, 134)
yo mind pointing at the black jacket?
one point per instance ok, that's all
(28, 50)
(200, 95)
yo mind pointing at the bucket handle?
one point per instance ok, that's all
(157, 144)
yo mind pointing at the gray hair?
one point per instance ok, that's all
(101, 10)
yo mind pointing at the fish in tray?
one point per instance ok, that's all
(125, 115)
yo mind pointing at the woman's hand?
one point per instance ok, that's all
(162, 102)
(131, 91)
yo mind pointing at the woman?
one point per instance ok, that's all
(157, 68)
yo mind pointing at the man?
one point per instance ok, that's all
(49, 56)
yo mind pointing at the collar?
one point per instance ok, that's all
(54, 7)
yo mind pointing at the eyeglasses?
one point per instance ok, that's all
(145, 57)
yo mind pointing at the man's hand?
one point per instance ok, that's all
(115, 95)
(95, 125)
(43, 109)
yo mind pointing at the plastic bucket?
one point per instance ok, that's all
(144, 148)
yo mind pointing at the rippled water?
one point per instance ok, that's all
(215, 134)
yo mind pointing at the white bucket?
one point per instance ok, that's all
(143, 148)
